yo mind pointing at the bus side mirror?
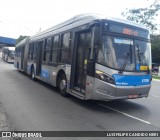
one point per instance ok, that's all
(91, 68)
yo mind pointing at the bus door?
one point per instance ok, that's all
(39, 58)
(83, 42)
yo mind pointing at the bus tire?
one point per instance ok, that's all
(33, 77)
(62, 85)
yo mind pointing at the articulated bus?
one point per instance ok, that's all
(8, 54)
(90, 57)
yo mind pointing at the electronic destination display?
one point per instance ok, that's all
(128, 30)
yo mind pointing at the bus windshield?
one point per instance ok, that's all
(124, 53)
(11, 53)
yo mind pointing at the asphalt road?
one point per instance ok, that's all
(34, 105)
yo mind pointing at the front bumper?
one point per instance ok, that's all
(108, 92)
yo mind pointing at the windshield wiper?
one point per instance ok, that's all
(129, 55)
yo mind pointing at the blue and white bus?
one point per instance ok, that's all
(90, 57)
(8, 54)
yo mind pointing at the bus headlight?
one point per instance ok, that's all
(104, 77)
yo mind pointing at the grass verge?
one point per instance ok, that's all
(155, 77)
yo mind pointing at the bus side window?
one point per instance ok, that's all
(64, 56)
(46, 49)
(20, 48)
(54, 49)
(34, 51)
(51, 51)
(31, 51)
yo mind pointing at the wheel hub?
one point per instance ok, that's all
(63, 84)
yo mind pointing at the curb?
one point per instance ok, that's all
(156, 80)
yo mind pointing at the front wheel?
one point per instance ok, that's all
(63, 85)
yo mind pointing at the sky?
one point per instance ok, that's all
(27, 17)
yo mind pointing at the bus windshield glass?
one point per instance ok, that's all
(124, 53)
(11, 53)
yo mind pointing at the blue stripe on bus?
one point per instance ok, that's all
(130, 80)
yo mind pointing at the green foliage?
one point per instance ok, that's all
(155, 41)
(145, 16)
(20, 38)
(155, 77)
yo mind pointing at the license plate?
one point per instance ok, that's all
(131, 96)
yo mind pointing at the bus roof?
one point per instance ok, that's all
(78, 21)
(86, 18)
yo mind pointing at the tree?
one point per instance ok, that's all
(145, 16)
(155, 41)
(20, 38)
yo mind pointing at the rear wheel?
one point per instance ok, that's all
(63, 85)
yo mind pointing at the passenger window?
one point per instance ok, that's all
(54, 49)
(46, 48)
(34, 51)
(65, 48)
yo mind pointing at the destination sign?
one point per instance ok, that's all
(129, 31)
